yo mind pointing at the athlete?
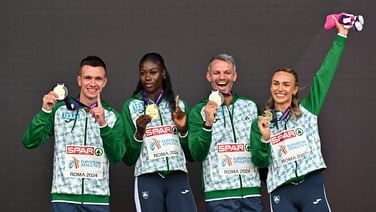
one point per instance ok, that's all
(156, 128)
(286, 139)
(219, 138)
(89, 135)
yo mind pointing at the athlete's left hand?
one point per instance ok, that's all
(98, 112)
(179, 117)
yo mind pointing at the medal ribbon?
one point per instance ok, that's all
(157, 100)
(227, 94)
(284, 115)
(76, 103)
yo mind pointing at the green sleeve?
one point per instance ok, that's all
(184, 140)
(324, 77)
(133, 146)
(260, 151)
(114, 139)
(199, 140)
(39, 130)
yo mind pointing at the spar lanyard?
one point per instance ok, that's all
(231, 121)
(76, 103)
(230, 114)
(75, 107)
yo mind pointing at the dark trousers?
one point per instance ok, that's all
(70, 207)
(173, 193)
(306, 196)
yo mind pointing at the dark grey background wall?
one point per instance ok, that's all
(42, 42)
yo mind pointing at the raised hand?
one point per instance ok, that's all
(179, 117)
(210, 110)
(341, 29)
(49, 101)
(98, 112)
(263, 125)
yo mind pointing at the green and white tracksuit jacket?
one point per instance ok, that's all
(294, 149)
(162, 149)
(82, 151)
(224, 150)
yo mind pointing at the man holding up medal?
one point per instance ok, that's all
(156, 128)
(89, 135)
(219, 138)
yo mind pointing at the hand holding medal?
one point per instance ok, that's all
(265, 119)
(61, 91)
(152, 111)
(268, 115)
(215, 101)
(263, 124)
(216, 97)
(141, 123)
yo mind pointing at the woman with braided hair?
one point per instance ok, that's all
(157, 132)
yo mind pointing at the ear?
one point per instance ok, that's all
(296, 89)
(164, 74)
(79, 80)
(105, 82)
(208, 77)
(235, 76)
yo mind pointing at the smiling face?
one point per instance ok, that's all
(91, 80)
(221, 75)
(282, 89)
(151, 78)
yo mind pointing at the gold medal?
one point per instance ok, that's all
(152, 111)
(268, 115)
(61, 91)
(216, 97)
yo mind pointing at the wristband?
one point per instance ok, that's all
(206, 127)
(265, 142)
(46, 111)
(183, 135)
(134, 136)
(344, 36)
(105, 125)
